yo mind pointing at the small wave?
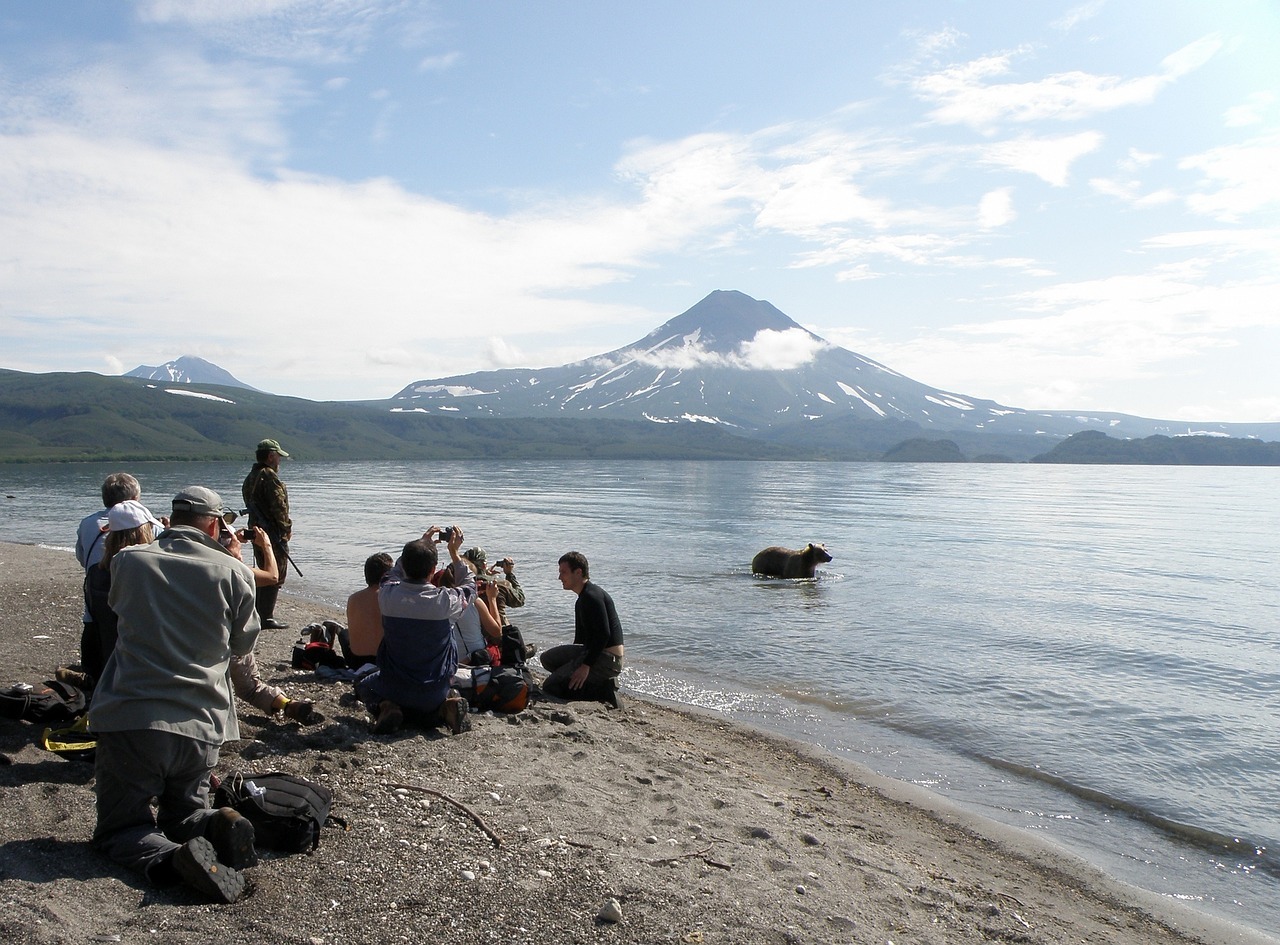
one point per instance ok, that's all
(1251, 855)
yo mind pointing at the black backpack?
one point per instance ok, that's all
(54, 701)
(287, 811)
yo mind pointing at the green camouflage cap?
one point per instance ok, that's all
(273, 445)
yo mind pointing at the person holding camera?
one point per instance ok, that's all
(246, 680)
(510, 593)
(418, 656)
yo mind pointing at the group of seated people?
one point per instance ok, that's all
(416, 629)
(413, 632)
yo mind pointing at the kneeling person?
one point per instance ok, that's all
(587, 668)
(164, 706)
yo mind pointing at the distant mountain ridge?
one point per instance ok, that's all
(739, 362)
(188, 370)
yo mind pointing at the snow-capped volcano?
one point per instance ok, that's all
(188, 370)
(730, 359)
(740, 362)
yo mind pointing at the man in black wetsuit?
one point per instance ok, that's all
(587, 668)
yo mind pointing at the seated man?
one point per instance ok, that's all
(587, 668)
(245, 677)
(363, 636)
(418, 656)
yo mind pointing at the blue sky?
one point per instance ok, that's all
(1068, 206)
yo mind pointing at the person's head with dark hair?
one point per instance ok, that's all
(375, 566)
(119, 487)
(576, 561)
(418, 559)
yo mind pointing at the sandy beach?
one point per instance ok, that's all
(523, 828)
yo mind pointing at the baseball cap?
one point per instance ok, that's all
(199, 500)
(129, 514)
(475, 556)
(273, 446)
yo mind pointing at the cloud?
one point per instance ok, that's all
(1050, 159)
(1077, 15)
(970, 93)
(1239, 180)
(995, 209)
(296, 30)
(780, 350)
(440, 63)
(768, 350)
(1252, 112)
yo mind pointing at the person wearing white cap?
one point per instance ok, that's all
(128, 523)
(164, 705)
(90, 545)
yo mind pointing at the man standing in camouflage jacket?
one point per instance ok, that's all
(267, 500)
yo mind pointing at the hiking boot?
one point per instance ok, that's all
(302, 711)
(231, 834)
(271, 623)
(610, 696)
(390, 718)
(196, 862)
(454, 713)
(73, 677)
(530, 650)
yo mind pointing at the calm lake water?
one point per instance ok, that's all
(1090, 653)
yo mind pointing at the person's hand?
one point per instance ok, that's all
(490, 591)
(507, 565)
(164, 520)
(579, 677)
(259, 537)
(432, 534)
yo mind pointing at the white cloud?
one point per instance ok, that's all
(1050, 159)
(1252, 112)
(780, 350)
(1238, 179)
(1077, 15)
(995, 209)
(299, 30)
(440, 63)
(970, 93)
(768, 350)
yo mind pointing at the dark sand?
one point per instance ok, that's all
(701, 830)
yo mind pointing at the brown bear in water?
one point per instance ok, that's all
(786, 563)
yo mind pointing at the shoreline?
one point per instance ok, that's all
(696, 824)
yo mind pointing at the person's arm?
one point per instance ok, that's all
(269, 574)
(512, 592)
(487, 608)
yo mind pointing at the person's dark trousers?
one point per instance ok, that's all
(562, 661)
(265, 597)
(131, 769)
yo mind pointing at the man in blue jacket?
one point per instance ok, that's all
(418, 656)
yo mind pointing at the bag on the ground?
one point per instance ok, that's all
(287, 811)
(73, 741)
(513, 648)
(503, 689)
(315, 647)
(52, 701)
